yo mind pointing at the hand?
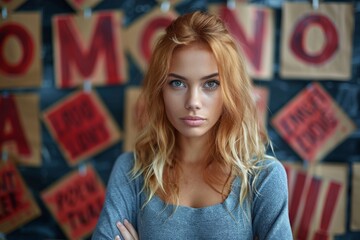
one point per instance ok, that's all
(127, 231)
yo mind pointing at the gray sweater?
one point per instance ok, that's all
(264, 217)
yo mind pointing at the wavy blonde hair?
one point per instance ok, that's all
(239, 141)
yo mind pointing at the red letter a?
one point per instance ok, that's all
(10, 126)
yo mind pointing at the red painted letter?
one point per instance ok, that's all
(27, 44)
(253, 46)
(150, 30)
(73, 53)
(331, 36)
(10, 118)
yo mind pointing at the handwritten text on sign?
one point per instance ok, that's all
(76, 202)
(312, 123)
(17, 205)
(81, 125)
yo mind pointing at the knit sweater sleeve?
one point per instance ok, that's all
(270, 204)
(120, 201)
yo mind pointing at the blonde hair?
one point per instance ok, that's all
(239, 141)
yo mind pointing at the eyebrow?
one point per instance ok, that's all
(184, 78)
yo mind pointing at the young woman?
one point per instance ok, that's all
(199, 169)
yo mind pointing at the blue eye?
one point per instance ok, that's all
(212, 85)
(176, 83)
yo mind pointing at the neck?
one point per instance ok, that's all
(193, 151)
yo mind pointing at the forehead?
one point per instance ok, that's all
(193, 57)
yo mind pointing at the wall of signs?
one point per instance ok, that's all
(70, 75)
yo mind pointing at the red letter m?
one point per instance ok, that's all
(74, 53)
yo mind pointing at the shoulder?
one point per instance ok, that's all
(125, 162)
(271, 172)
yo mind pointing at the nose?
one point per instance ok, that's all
(193, 99)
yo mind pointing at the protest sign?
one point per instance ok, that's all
(142, 34)
(20, 50)
(89, 49)
(317, 43)
(17, 205)
(317, 200)
(81, 125)
(312, 123)
(253, 28)
(20, 127)
(75, 201)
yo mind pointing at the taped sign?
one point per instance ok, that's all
(355, 198)
(143, 33)
(76, 201)
(89, 48)
(81, 125)
(253, 28)
(131, 120)
(20, 50)
(17, 205)
(312, 123)
(316, 201)
(20, 127)
(317, 43)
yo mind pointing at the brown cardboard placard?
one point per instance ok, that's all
(355, 198)
(140, 37)
(131, 129)
(89, 49)
(317, 200)
(317, 43)
(253, 27)
(82, 126)
(20, 56)
(75, 201)
(20, 128)
(17, 205)
(312, 123)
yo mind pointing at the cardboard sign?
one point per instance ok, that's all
(312, 123)
(83, 4)
(355, 198)
(261, 98)
(17, 205)
(142, 34)
(89, 48)
(317, 43)
(20, 50)
(81, 125)
(20, 128)
(131, 129)
(253, 27)
(317, 201)
(11, 5)
(76, 201)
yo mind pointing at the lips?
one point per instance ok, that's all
(193, 121)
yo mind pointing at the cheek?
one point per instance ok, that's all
(169, 104)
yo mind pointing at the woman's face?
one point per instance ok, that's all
(192, 94)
